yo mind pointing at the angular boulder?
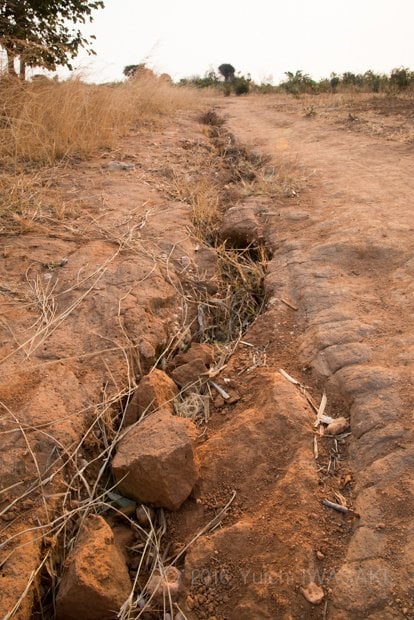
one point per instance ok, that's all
(190, 374)
(191, 367)
(153, 391)
(95, 582)
(197, 350)
(241, 227)
(155, 461)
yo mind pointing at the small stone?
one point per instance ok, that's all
(27, 504)
(169, 584)
(141, 602)
(234, 398)
(240, 227)
(145, 515)
(338, 426)
(197, 350)
(190, 602)
(147, 350)
(190, 373)
(124, 537)
(313, 593)
(119, 165)
(320, 555)
(219, 402)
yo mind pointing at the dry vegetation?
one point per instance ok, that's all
(46, 125)
(44, 122)
(387, 115)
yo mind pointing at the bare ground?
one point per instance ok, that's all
(77, 334)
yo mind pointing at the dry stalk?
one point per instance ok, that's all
(42, 333)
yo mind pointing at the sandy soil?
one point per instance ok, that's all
(78, 334)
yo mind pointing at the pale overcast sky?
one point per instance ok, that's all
(263, 37)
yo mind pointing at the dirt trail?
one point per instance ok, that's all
(135, 287)
(346, 246)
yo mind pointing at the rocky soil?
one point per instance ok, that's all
(206, 388)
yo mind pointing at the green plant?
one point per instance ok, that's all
(209, 80)
(241, 86)
(401, 78)
(298, 83)
(40, 33)
(334, 82)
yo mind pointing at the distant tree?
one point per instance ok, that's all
(134, 71)
(209, 79)
(401, 78)
(349, 78)
(298, 83)
(130, 70)
(40, 32)
(334, 82)
(372, 81)
(227, 71)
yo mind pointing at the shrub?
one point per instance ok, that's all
(210, 79)
(401, 78)
(241, 86)
(298, 83)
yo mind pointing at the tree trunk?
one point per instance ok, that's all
(22, 73)
(10, 64)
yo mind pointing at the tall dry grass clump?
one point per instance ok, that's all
(46, 121)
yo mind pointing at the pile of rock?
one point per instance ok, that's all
(154, 465)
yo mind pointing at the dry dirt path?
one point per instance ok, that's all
(78, 334)
(343, 252)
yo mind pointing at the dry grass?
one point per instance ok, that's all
(47, 121)
(30, 201)
(81, 472)
(46, 125)
(388, 115)
(87, 488)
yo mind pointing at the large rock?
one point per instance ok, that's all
(197, 350)
(191, 367)
(95, 582)
(155, 461)
(153, 391)
(241, 227)
(190, 374)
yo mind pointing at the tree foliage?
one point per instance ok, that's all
(298, 82)
(131, 70)
(227, 71)
(44, 33)
(209, 79)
